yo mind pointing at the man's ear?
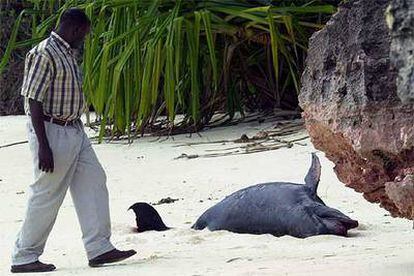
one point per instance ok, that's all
(85, 30)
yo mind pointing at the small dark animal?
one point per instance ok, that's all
(147, 218)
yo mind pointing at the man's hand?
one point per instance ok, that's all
(46, 162)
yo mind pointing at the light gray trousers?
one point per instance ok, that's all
(75, 167)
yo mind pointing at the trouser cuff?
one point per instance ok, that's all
(98, 248)
(25, 260)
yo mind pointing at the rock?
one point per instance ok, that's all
(352, 107)
(402, 194)
(400, 19)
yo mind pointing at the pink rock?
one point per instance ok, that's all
(352, 107)
(402, 194)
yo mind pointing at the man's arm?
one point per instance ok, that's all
(46, 163)
(38, 74)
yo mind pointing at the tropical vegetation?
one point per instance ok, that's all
(147, 61)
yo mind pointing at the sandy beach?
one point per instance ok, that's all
(147, 171)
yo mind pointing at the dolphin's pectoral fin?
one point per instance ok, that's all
(200, 224)
(335, 222)
(314, 174)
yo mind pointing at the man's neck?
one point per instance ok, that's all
(63, 35)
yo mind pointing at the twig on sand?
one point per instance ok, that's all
(256, 149)
(203, 143)
(283, 128)
(187, 156)
(13, 144)
(284, 134)
(253, 148)
(225, 149)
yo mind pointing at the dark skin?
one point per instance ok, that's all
(75, 36)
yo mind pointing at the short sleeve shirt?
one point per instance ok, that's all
(53, 77)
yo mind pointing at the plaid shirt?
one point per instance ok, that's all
(52, 76)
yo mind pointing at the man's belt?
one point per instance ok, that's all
(58, 121)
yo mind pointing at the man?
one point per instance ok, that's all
(62, 153)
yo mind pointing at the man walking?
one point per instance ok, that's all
(63, 157)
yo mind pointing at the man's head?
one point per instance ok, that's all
(74, 26)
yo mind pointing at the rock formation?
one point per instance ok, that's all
(357, 99)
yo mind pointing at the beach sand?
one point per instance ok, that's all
(147, 171)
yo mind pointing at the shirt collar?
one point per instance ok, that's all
(61, 41)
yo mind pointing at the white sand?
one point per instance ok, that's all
(146, 171)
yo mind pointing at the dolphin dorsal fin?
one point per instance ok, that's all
(314, 174)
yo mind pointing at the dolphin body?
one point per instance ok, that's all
(278, 208)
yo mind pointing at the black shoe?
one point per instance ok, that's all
(112, 256)
(32, 267)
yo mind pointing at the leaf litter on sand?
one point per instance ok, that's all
(283, 134)
(166, 200)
